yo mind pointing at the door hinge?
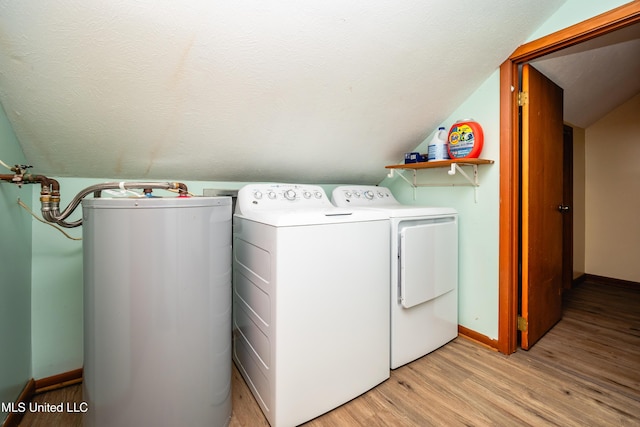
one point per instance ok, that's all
(522, 324)
(523, 98)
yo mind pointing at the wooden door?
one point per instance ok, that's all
(542, 204)
(567, 216)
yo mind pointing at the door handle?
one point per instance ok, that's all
(563, 208)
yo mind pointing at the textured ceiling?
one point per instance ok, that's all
(597, 76)
(298, 91)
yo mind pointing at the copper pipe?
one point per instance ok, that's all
(46, 183)
(43, 180)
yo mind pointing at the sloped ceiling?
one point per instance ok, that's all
(597, 76)
(250, 90)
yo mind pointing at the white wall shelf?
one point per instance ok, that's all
(454, 165)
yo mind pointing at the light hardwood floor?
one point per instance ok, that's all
(584, 372)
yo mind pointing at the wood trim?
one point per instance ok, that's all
(509, 158)
(609, 281)
(509, 211)
(607, 22)
(579, 280)
(34, 387)
(58, 381)
(567, 200)
(477, 337)
(586, 30)
(14, 418)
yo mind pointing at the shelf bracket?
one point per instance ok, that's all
(473, 181)
(455, 168)
(413, 184)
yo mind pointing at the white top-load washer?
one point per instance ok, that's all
(424, 270)
(311, 300)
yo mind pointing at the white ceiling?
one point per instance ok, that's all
(597, 76)
(250, 90)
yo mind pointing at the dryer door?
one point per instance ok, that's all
(428, 259)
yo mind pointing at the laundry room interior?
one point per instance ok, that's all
(241, 105)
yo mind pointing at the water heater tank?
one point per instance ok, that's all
(157, 311)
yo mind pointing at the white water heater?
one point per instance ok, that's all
(157, 311)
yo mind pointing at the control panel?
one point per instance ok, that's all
(362, 195)
(281, 196)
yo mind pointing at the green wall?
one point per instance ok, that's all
(56, 303)
(573, 12)
(15, 275)
(478, 210)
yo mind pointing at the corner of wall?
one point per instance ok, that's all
(15, 286)
(478, 219)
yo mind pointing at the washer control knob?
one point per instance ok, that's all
(356, 193)
(318, 194)
(306, 194)
(347, 194)
(380, 194)
(257, 194)
(368, 194)
(290, 195)
(272, 195)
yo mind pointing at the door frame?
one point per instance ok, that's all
(599, 25)
(567, 200)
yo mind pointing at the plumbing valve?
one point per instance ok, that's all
(19, 171)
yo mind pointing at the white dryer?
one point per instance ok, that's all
(424, 270)
(311, 298)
